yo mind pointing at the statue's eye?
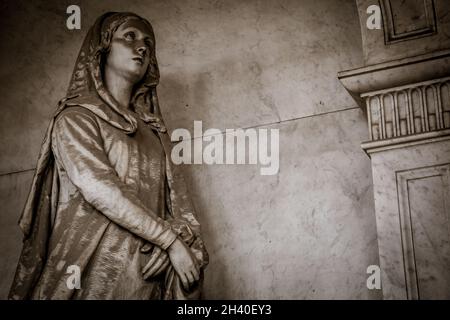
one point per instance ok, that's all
(130, 36)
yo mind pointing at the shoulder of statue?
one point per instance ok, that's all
(76, 112)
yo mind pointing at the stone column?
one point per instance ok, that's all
(405, 91)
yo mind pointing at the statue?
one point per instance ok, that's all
(106, 197)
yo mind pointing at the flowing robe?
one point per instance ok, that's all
(113, 198)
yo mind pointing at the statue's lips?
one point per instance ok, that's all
(139, 59)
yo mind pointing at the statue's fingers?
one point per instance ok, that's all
(195, 274)
(153, 260)
(184, 281)
(153, 257)
(190, 277)
(149, 270)
(161, 268)
(197, 267)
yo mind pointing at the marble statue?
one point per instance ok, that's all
(106, 199)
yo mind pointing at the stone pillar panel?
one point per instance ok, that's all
(411, 192)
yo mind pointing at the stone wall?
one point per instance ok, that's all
(309, 231)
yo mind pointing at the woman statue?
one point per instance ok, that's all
(106, 204)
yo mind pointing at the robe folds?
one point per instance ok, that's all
(100, 195)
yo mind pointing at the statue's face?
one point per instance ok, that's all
(129, 54)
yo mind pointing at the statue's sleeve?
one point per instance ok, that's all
(78, 147)
(184, 222)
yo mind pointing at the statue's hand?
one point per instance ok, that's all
(159, 261)
(184, 263)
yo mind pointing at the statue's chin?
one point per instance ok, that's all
(135, 74)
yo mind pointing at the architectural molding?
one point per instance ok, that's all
(395, 73)
(371, 147)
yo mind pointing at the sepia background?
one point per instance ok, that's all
(308, 232)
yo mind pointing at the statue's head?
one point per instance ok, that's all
(129, 49)
(123, 42)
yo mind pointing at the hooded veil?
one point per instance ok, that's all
(86, 89)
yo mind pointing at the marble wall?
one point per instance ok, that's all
(309, 231)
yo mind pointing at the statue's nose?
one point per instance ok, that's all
(142, 50)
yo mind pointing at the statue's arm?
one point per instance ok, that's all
(185, 223)
(78, 147)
